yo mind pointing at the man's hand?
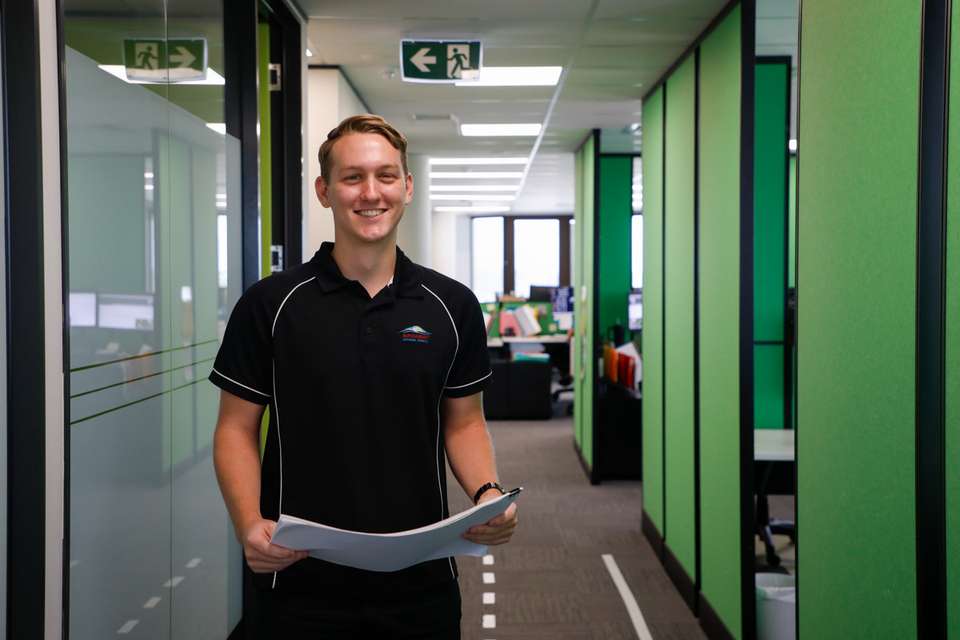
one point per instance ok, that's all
(261, 554)
(498, 530)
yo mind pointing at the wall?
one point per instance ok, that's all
(450, 245)
(615, 173)
(857, 288)
(584, 345)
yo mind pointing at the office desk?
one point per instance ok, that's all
(548, 339)
(771, 447)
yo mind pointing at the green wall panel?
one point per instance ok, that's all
(953, 339)
(652, 380)
(583, 305)
(792, 224)
(678, 316)
(719, 233)
(768, 386)
(616, 208)
(857, 205)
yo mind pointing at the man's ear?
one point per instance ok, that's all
(409, 197)
(320, 185)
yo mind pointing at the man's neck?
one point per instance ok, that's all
(372, 265)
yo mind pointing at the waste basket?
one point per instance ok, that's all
(776, 606)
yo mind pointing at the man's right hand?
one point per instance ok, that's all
(261, 554)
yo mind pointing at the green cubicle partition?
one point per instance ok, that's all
(679, 399)
(722, 532)
(771, 171)
(857, 295)
(614, 210)
(653, 326)
(698, 323)
(585, 286)
(953, 341)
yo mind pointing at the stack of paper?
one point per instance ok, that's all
(390, 551)
(527, 319)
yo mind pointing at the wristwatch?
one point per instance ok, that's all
(484, 488)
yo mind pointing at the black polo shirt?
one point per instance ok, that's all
(354, 386)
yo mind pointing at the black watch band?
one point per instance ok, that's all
(484, 488)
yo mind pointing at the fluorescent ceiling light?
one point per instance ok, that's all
(515, 77)
(490, 197)
(219, 127)
(478, 175)
(792, 146)
(466, 161)
(475, 187)
(120, 71)
(309, 53)
(473, 209)
(513, 129)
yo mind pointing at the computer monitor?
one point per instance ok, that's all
(635, 310)
(540, 293)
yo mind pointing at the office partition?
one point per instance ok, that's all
(771, 170)
(857, 306)
(679, 164)
(952, 359)
(653, 327)
(614, 211)
(719, 171)
(585, 287)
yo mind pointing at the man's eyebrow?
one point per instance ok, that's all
(380, 168)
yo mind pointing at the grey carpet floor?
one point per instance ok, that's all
(550, 580)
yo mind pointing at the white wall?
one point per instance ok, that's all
(415, 229)
(450, 237)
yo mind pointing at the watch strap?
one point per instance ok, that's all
(485, 488)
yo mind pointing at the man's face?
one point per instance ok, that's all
(368, 189)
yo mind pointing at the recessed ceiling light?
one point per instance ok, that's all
(475, 187)
(515, 77)
(309, 53)
(512, 129)
(466, 161)
(473, 209)
(477, 175)
(792, 146)
(120, 71)
(489, 197)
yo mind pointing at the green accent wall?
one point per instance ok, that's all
(266, 162)
(678, 316)
(719, 266)
(652, 379)
(857, 205)
(771, 171)
(616, 207)
(792, 224)
(585, 362)
(953, 340)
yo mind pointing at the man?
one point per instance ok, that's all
(373, 368)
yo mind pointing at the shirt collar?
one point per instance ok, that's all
(407, 275)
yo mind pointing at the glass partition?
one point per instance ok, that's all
(154, 269)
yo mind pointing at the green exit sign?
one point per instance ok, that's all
(165, 59)
(440, 60)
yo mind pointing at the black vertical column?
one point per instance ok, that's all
(26, 417)
(931, 325)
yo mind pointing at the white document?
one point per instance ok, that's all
(390, 551)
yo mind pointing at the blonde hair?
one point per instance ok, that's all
(365, 123)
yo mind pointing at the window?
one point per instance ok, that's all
(536, 254)
(487, 258)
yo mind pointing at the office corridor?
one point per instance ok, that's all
(550, 580)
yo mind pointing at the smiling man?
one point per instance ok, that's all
(373, 369)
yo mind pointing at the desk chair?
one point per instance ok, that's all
(771, 482)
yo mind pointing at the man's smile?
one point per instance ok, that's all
(369, 213)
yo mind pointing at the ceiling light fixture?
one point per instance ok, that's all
(515, 77)
(489, 197)
(467, 161)
(309, 53)
(473, 209)
(477, 175)
(530, 129)
(475, 187)
(120, 71)
(219, 127)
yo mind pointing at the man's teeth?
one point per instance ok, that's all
(370, 213)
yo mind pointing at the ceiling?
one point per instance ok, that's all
(612, 52)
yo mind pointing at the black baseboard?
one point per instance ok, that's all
(652, 535)
(583, 463)
(711, 623)
(683, 582)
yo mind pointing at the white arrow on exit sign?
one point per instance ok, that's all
(183, 58)
(420, 59)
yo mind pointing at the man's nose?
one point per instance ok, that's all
(369, 189)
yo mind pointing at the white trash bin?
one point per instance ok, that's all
(776, 606)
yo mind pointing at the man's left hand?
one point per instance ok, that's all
(498, 530)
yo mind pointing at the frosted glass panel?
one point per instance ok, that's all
(487, 250)
(536, 254)
(154, 250)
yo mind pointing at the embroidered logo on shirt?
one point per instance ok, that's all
(416, 333)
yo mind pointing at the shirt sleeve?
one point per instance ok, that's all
(243, 363)
(471, 367)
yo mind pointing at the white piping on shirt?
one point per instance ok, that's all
(276, 408)
(461, 386)
(265, 395)
(456, 334)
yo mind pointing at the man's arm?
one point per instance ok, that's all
(236, 458)
(470, 452)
